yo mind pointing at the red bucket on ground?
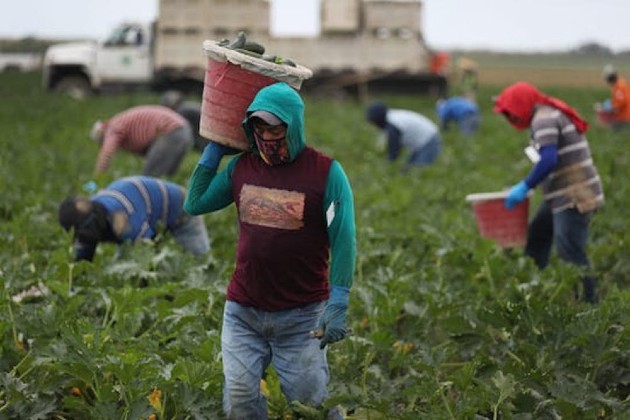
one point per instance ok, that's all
(231, 82)
(506, 227)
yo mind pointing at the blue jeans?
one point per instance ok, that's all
(192, 235)
(569, 230)
(252, 339)
(426, 154)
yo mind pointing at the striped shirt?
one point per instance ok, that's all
(145, 203)
(574, 182)
(134, 129)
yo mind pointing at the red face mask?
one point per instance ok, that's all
(274, 151)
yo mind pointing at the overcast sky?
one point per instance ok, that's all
(508, 25)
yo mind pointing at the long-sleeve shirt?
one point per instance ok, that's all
(136, 208)
(620, 100)
(574, 180)
(407, 129)
(134, 130)
(209, 191)
(296, 219)
(455, 109)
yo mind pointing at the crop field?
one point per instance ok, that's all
(447, 325)
(543, 70)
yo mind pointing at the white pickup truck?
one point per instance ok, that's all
(361, 43)
(20, 61)
(124, 59)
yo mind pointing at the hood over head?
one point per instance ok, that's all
(376, 113)
(88, 219)
(284, 103)
(518, 103)
(69, 214)
(172, 99)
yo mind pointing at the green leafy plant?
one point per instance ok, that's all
(446, 324)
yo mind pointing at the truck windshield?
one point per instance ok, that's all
(125, 35)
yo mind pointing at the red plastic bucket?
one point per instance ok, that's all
(231, 82)
(227, 92)
(507, 227)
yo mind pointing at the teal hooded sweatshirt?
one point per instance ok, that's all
(209, 191)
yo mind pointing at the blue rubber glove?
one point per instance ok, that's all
(333, 321)
(517, 194)
(90, 187)
(212, 154)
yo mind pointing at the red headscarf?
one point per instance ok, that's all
(518, 101)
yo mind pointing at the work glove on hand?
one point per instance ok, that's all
(90, 187)
(212, 154)
(333, 321)
(516, 194)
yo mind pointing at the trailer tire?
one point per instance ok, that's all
(76, 87)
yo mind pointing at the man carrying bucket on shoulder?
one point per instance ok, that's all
(564, 168)
(295, 255)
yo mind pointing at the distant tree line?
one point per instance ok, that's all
(26, 45)
(596, 49)
(36, 45)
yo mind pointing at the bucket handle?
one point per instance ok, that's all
(222, 69)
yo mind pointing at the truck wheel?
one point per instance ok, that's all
(75, 87)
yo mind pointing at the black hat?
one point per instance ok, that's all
(172, 99)
(376, 113)
(71, 214)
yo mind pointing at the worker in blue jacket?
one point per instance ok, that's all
(129, 210)
(461, 111)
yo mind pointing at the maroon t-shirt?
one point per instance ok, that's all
(283, 248)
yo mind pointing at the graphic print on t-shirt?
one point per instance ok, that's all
(271, 207)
